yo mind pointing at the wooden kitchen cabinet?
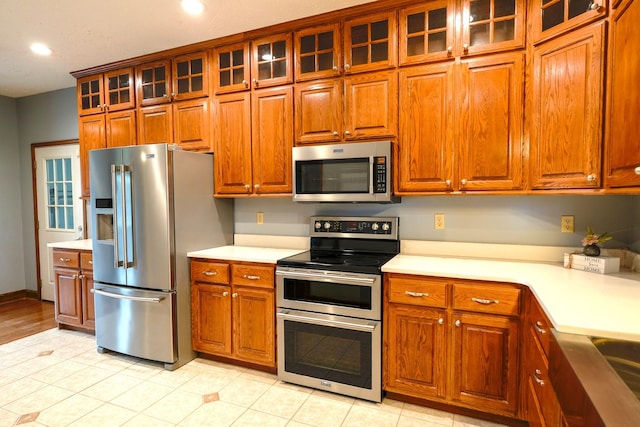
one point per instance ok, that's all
(431, 31)
(73, 279)
(622, 157)
(370, 42)
(566, 114)
(253, 141)
(551, 18)
(272, 61)
(318, 52)
(233, 310)
(110, 91)
(455, 342)
(484, 152)
(231, 68)
(362, 106)
(176, 79)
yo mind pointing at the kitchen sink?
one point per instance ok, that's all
(624, 358)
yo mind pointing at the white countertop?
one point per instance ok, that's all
(83, 245)
(575, 301)
(245, 253)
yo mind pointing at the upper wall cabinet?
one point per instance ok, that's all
(231, 71)
(271, 59)
(110, 91)
(431, 32)
(550, 18)
(622, 141)
(370, 42)
(317, 52)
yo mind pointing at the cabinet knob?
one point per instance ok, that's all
(463, 181)
(256, 186)
(173, 94)
(591, 177)
(440, 321)
(594, 6)
(347, 133)
(247, 187)
(449, 50)
(637, 170)
(347, 66)
(458, 323)
(335, 133)
(244, 82)
(255, 82)
(166, 95)
(448, 183)
(233, 295)
(225, 294)
(334, 68)
(465, 47)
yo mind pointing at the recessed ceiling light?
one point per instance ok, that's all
(41, 49)
(193, 7)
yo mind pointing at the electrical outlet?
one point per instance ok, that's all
(259, 217)
(567, 224)
(438, 221)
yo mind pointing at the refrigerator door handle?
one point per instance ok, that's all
(115, 169)
(128, 297)
(127, 216)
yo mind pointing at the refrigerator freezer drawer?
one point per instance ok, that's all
(136, 322)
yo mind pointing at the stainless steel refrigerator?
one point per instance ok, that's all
(150, 205)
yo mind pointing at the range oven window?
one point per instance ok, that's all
(336, 294)
(333, 176)
(328, 353)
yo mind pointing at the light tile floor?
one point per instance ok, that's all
(56, 378)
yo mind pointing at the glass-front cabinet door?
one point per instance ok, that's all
(190, 76)
(491, 25)
(231, 68)
(154, 82)
(370, 42)
(271, 61)
(426, 32)
(90, 95)
(119, 93)
(552, 17)
(317, 52)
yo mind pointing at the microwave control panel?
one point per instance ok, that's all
(380, 174)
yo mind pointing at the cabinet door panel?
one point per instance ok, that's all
(156, 125)
(371, 105)
(272, 140)
(317, 52)
(68, 297)
(118, 88)
(485, 353)
(191, 125)
(121, 128)
(90, 94)
(92, 136)
(154, 83)
(231, 68)
(416, 351)
(623, 143)
(318, 112)
(271, 61)
(211, 314)
(491, 118)
(425, 160)
(426, 32)
(254, 325)
(88, 306)
(566, 123)
(232, 143)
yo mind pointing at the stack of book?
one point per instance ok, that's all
(599, 264)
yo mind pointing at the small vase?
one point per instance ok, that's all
(591, 250)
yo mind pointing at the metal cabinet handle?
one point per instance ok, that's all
(440, 321)
(539, 328)
(457, 323)
(416, 294)
(250, 277)
(485, 301)
(210, 273)
(225, 294)
(594, 6)
(537, 378)
(591, 177)
(233, 295)
(65, 259)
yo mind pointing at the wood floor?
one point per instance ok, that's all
(25, 317)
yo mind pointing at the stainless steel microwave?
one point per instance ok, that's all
(351, 172)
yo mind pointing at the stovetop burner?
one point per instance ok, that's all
(336, 261)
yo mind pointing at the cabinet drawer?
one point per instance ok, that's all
(211, 272)
(86, 260)
(62, 258)
(496, 299)
(417, 291)
(253, 275)
(539, 324)
(538, 374)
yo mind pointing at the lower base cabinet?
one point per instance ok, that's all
(233, 310)
(73, 280)
(453, 342)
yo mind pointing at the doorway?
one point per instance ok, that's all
(58, 208)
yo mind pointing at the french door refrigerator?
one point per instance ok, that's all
(150, 205)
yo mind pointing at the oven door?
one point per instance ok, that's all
(330, 292)
(331, 353)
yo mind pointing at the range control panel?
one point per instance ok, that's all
(359, 227)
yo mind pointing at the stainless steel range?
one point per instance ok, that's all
(329, 302)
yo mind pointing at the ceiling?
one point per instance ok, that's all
(88, 33)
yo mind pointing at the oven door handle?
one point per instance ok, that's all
(369, 326)
(342, 279)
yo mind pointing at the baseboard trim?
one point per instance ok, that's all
(17, 295)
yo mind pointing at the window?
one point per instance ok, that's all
(59, 194)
